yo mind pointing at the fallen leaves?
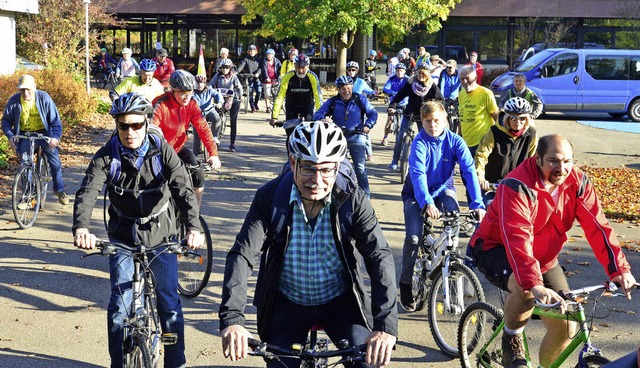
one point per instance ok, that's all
(618, 190)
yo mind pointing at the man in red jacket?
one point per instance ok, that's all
(164, 68)
(173, 112)
(517, 244)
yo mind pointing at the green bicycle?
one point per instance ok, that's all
(480, 330)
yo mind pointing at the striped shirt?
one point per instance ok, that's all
(312, 272)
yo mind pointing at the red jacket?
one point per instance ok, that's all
(524, 219)
(163, 71)
(479, 71)
(174, 119)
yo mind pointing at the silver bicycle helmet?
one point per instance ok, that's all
(130, 103)
(318, 142)
(517, 105)
(353, 64)
(182, 80)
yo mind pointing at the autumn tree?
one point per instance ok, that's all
(60, 26)
(343, 18)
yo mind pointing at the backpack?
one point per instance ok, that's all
(332, 105)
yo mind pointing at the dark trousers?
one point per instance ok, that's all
(291, 322)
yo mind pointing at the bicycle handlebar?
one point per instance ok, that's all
(108, 247)
(573, 295)
(33, 136)
(269, 352)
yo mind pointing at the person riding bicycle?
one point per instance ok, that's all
(506, 145)
(309, 273)
(209, 101)
(348, 111)
(429, 187)
(144, 84)
(359, 85)
(104, 61)
(517, 243)
(140, 212)
(251, 65)
(270, 74)
(419, 88)
(393, 85)
(520, 90)
(449, 81)
(404, 57)
(301, 89)
(173, 112)
(289, 64)
(127, 66)
(33, 111)
(164, 68)
(370, 66)
(226, 78)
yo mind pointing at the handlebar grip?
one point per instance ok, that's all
(253, 343)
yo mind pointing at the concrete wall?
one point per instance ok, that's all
(7, 43)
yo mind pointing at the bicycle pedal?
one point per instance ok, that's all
(169, 338)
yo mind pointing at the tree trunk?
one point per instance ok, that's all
(344, 40)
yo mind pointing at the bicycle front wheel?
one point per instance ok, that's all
(140, 355)
(45, 176)
(464, 289)
(404, 157)
(194, 272)
(25, 197)
(479, 341)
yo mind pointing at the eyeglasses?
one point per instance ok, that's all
(185, 94)
(521, 118)
(325, 172)
(126, 126)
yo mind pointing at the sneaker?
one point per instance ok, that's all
(62, 198)
(385, 141)
(232, 148)
(513, 351)
(394, 167)
(406, 298)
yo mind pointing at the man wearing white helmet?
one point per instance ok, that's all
(127, 66)
(309, 273)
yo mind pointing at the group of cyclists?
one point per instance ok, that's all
(314, 222)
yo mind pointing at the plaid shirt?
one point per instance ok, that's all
(312, 273)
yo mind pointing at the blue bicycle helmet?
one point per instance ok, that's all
(401, 66)
(130, 103)
(270, 51)
(421, 65)
(148, 65)
(344, 81)
(373, 52)
(182, 80)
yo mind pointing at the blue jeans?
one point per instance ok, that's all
(52, 156)
(357, 144)
(165, 270)
(445, 201)
(290, 323)
(255, 92)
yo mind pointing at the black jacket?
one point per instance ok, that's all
(258, 235)
(176, 185)
(415, 101)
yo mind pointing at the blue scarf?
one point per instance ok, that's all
(138, 153)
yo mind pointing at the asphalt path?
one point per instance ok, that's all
(53, 303)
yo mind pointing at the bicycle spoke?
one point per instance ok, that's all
(26, 197)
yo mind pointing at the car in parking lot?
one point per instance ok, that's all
(25, 64)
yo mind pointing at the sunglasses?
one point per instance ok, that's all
(521, 118)
(352, 70)
(134, 126)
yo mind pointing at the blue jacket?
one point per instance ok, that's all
(431, 164)
(393, 85)
(48, 114)
(449, 85)
(347, 115)
(207, 98)
(360, 86)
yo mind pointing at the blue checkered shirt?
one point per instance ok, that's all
(312, 273)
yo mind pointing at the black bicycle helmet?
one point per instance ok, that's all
(130, 103)
(517, 105)
(301, 60)
(182, 80)
(201, 78)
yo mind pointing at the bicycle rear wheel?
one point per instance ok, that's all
(194, 273)
(45, 176)
(404, 157)
(464, 290)
(477, 343)
(25, 197)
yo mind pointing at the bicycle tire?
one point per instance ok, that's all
(454, 124)
(465, 288)
(593, 361)
(404, 157)
(223, 124)
(140, 355)
(101, 80)
(477, 324)
(42, 165)
(420, 279)
(26, 197)
(193, 274)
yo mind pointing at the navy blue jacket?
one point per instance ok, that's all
(48, 114)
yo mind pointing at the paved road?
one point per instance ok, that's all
(53, 303)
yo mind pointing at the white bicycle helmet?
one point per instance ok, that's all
(517, 105)
(318, 141)
(353, 64)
